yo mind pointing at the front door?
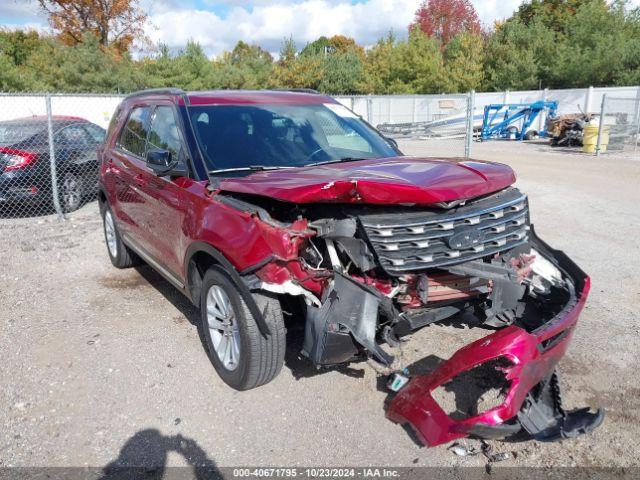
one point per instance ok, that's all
(165, 199)
(127, 162)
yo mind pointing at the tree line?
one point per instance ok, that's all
(545, 43)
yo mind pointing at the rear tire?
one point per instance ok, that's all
(71, 192)
(120, 255)
(241, 355)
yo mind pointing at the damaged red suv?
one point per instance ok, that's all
(249, 202)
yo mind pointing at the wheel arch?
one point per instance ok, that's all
(201, 256)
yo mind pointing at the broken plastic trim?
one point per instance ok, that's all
(543, 417)
(347, 307)
(532, 360)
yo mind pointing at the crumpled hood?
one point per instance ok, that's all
(388, 181)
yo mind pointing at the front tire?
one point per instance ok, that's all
(241, 355)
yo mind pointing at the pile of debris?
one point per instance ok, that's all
(567, 130)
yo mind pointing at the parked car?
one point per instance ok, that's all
(255, 203)
(25, 166)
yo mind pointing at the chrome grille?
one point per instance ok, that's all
(421, 240)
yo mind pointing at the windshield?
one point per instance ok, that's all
(14, 132)
(272, 136)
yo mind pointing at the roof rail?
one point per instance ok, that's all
(298, 90)
(168, 91)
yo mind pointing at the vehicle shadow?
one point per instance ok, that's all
(144, 456)
(299, 365)
(169, 292)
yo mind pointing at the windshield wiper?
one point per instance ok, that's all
(251, 168)
(337, 160)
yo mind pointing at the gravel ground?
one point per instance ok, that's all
(101, 365)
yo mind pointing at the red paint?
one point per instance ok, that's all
(257, 97)
(28, 158)
(415, 405)
(386, 181)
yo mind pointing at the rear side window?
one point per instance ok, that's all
(73, 135)
(95, 132)
(133, 136)
(164, 134)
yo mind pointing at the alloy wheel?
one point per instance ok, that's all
(223, 327)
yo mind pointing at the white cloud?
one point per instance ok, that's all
(491, 10)
(267, 25)
(267, 22)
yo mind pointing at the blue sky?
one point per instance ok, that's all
(218, 25)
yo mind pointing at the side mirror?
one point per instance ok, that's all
(159, 161)
(162, 164)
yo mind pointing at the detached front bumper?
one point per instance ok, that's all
(526, 359)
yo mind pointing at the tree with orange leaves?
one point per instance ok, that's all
(117, 24)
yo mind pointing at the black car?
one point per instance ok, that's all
(25, 166)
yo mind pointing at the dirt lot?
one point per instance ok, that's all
(101, 365)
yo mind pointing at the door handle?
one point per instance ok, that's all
(111, 166)
(140, 180)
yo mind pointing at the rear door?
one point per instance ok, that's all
(127, 166)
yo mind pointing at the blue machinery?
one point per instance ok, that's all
(501, 120)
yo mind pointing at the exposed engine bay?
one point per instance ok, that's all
(368, 276)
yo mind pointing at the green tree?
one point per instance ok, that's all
(246, 66)
(554, 14)
(601, 47)
(463, 62)
(338, 44)
(520, 56)
(341, 73)
(414, 65)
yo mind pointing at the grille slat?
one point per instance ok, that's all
(500, 221)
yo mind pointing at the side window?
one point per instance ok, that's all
(164, 134)
(73, 135)
(133, 136)
(95, 132)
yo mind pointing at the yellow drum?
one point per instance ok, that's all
(590, 139)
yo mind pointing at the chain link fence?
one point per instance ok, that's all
(444, 123)
(619, 126)
(48, 151)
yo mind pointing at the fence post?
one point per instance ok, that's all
(588, 100)
(369, 108)
(52, 159)
(601, 125)
(636, 120)
(471, 102)
(542, 118)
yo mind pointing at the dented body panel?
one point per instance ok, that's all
(384, 181)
